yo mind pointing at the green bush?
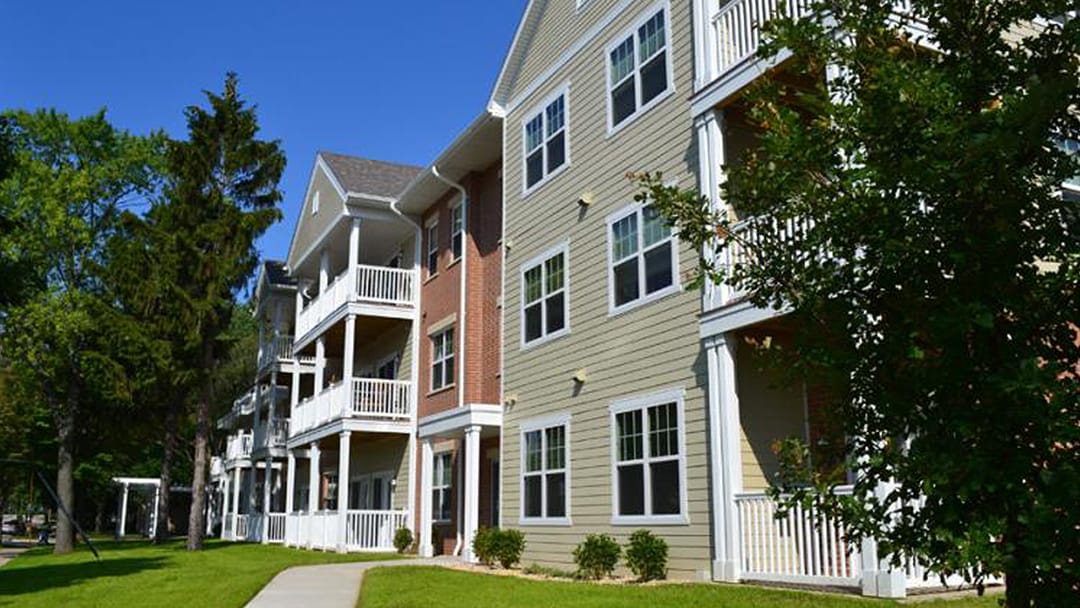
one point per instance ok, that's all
(596, 556)
(483, 545)
(491, 545)
(646, 556)
(403, 539)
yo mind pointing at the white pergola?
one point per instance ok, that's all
(140, 482)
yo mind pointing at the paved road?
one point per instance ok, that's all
(327, 586)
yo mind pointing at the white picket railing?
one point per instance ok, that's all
(275, 528)
(372, 284)
(736, 27)
(373, 530)
(254, 527)
(239, 446)
(275, 349)
(227, 527)
(739, 250)
(272, 435)
(241, 531)
(362, 398)
(803, 546)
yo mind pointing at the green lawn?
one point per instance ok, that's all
(409, 587)
(139, 574)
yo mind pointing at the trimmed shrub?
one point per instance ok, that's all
(646, 556)
(596, 556)
(483, 545)
(508, 547)
(403, 539)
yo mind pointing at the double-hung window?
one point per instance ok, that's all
(442, 473)
(457, 230)
(639, 69)
(649, 470)
(544, 471)
(544, 296)
(433, 249)
(545, 141)
(644, 257)
(442, 359)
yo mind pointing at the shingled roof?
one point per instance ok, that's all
(366, 176)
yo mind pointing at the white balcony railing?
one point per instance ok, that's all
(239, 446)
(241, 532)
(364, 530)
(217, 466)
(803, 546)
(739, 251)
(362, 398)
(275, 528)
(245, 404)
(371, 284)
(272, 435)
(736, 28)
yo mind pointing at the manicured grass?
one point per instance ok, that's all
(136, 573)
(422, 587)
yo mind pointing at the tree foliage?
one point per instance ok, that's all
(904, 205)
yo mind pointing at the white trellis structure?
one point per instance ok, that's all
(145, 485)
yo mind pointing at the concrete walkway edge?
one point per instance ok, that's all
(327, 585)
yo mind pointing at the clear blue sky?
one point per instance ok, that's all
(393, 81)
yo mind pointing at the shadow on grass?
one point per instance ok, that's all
(31, 579)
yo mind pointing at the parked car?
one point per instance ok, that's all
(11, 527)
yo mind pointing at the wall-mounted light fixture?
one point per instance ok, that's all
(586, 199)
(581, 376)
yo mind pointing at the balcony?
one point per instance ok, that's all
(363, 399)
(280, 350)
(393, 290)
(238, 446)
(274, 435)
(729, 60)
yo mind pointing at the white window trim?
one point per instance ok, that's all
(441, 334)
(643, 402)
(432, 224)
(541, 108)
(454, 259)
(539, 424)
(449, 488)
(563, 248)
(640, 109)
(643, 299)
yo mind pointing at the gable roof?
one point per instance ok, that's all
(371, 177)
(515, 56)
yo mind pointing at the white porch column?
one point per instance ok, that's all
(154, 512)
(472, 489)
(225, 494)
(250, 503)
(710, 141)
(725, 456)
(879, 578)
(320, 363)
(344, 444)
(354, 254)
(324, 270)
(235, 501)
(122, 524)
(427, 461)
(268, 478)
(299, 305)
(705, 45)
(314, 486)
(290, 481)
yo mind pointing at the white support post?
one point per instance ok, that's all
(154, 512)
(354, 254)
(705, 45)
(314, 486)
(348, 363)
(324, 271)
(250, 502)
(344, 445)
(472, 489)
(235, 501)
(290, 481)
(710, 140)
(299, 306)
(225, 503)
(427, 462)
(122, 528)
(725, 455)
(268, 477)
(320, 363)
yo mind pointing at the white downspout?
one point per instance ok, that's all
(464, 278)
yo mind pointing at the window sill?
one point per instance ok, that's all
(650, 520)
(545, 180)
(645, 301)
(430, 277)
(525, 346)
(545, 521)
(453, 262)
(614, 130)
(440, 390)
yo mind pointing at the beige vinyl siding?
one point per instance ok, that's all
(561, 24)
(310, 227)
(373, 453)
(644, 350)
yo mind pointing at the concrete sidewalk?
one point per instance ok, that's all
(8, 553)
(326, 586)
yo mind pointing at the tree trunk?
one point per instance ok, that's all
(65, 480)
(99, 517)
(1018, 587)
(171, 422)
(197, 515)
